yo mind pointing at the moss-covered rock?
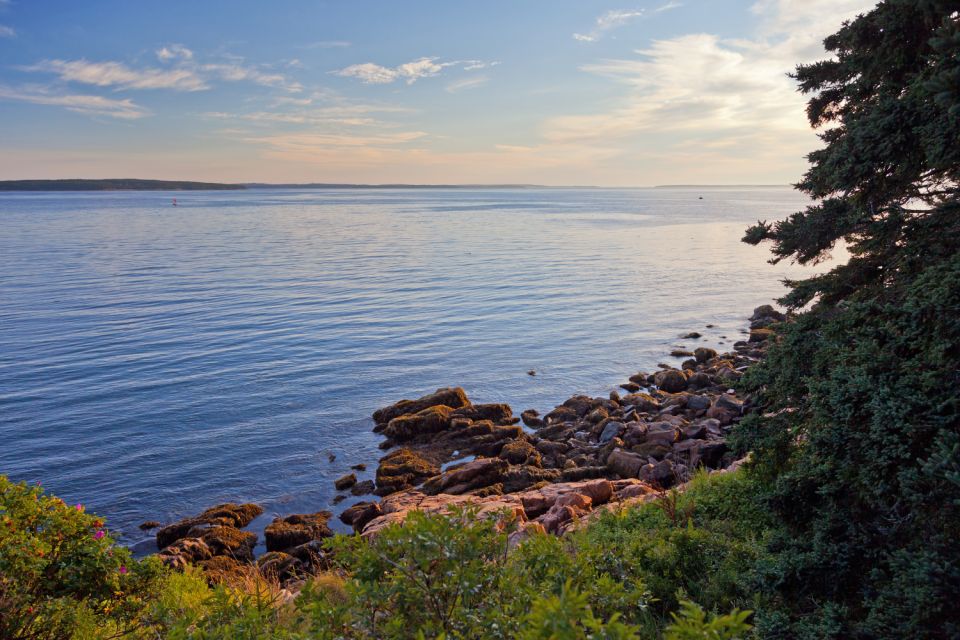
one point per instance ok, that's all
(453, 397)
(297, 529)
(402, 469)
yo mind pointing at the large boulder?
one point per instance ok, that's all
(767, 311)
(358, 515)
(670, 380)
(520, 451)
(430, 420)
(662, 474)
(402, 469)
(228, 541)
(708, 453)
(704, 354)
(725, 408)
(297, 529)
(531, 418)
(624, 463)
(611, 430)
(641, 402)
(453, 397)
(520, 477)
(185, 551)
(496, 413)
(662, 432)
(475, 474)
(280, 566)
(227, 515)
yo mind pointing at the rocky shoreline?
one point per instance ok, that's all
(549, 473)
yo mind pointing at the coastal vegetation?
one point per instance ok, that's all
(840, 519)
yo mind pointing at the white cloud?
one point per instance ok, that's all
(409, 72)
(174, 52)
(470, 82)
(701, 86)
(183, 76)
(239, 72)
(369, 73)
(85, 104)
(116, 74)
(7, 32)
(616, 18)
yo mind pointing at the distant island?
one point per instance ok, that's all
(114, 184)
(347, 185)
(134, 184)
(721, 186)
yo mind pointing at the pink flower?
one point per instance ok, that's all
(99, 534)
(123, 569)
(79, 507)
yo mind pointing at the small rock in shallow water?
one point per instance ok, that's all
(345, 482)
(359, 467)
(337, 499)
(149, 524)
(693, 335)
(363, 488)
(531, 418)
(531, 372)
(331, 456)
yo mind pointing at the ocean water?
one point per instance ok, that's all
(157, 360)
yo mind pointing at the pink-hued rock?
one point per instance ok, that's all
(552, 506)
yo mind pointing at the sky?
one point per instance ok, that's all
(553, 92)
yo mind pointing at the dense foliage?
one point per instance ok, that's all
(60, 573)
(859, 435)
(631, 575)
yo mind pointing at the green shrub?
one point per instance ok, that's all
(61, 575)
(693, 623)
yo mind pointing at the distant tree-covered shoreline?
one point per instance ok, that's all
(114, 184)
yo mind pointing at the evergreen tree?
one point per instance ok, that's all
(859, 422)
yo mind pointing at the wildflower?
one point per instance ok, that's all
(99, 534)
(123, 569)
(79, 507)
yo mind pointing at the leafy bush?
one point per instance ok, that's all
(61, 575)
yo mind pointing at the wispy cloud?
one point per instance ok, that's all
(116, 74)
(238, 72)
(174, 52)
(409, 72)
(699, 98)
(470, 82)
(184, 75)
(86, 104)
(7, 32)
(326, 44)
(617, 18)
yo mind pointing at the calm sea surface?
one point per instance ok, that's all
(157, 360)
